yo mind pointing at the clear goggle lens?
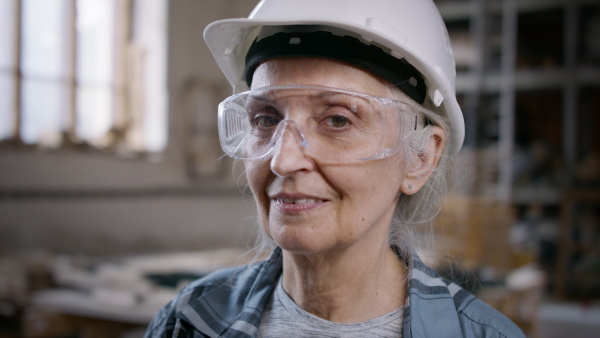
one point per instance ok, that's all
(333, 125)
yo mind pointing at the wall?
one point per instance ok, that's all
(95, 203)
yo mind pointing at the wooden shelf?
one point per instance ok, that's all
(536, 195)
(579, 224)
(531, 95)
(530, 79)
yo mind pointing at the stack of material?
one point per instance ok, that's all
(473, 233)
(107, 299)
(13, 286)
(22, 273)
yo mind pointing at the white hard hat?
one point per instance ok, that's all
(405, 29)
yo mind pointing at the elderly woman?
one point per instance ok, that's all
(345, 134)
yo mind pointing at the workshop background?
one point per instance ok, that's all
(114, 192)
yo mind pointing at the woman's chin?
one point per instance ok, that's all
(299, 241)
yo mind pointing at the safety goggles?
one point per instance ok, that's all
(333, 125)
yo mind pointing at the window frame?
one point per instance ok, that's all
(123, 95)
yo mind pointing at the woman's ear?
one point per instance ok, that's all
(426, 161)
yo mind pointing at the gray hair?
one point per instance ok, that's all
(411, 227)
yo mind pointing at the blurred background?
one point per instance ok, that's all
(114, 194)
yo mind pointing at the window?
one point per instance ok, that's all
(7, 68)
(73, 72)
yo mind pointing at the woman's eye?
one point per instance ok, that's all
(265, 121)
(337, 121)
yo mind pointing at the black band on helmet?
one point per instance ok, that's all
(342, 48)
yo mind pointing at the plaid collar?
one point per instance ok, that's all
(234, 308)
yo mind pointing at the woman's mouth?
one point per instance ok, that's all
(297, 205)
(299, 200)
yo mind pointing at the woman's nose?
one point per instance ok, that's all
(289, 153)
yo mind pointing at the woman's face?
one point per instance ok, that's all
(308, 207)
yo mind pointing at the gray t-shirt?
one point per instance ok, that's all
(284, 318)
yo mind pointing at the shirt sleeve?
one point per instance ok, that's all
(478, 319)
(163, 324)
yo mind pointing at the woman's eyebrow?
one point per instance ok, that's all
(317, 95)
(332, 92)
(261, 98)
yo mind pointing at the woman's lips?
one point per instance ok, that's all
(296, 205)
(299, 200)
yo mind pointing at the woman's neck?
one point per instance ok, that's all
(346, 287)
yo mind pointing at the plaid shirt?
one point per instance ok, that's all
(231, 302)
